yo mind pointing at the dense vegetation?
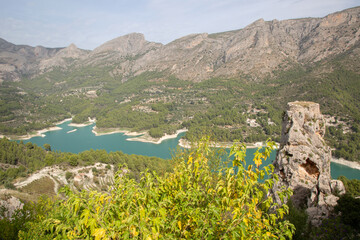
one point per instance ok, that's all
(347, 144)
(192, 202)
(200, 196)
(19, 160)
(352, 186)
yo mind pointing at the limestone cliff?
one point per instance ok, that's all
(303, 161)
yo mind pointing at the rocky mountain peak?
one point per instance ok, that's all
(71, 51)
(72, 46)
(63, 58)
(257, 23)
(338, 18)
(303, 161)
(130, 44)
(4, 44)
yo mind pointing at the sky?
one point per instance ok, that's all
(90, 23)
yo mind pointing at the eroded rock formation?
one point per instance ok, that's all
(303, 161)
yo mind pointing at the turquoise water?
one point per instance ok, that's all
(84, 139)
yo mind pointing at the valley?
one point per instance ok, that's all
(231, 85)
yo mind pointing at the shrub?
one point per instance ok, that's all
(9, 185)
(192, 202)
(73, 161)
(68, 175)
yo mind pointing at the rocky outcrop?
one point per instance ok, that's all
(97, 176)
(303, 161)
(10, 205)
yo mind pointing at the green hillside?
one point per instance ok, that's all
(159, 103)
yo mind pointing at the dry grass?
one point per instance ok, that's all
(25, 197)
(41, 186)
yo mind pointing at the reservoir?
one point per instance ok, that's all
(79, 139)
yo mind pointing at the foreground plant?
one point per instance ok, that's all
(192, 202)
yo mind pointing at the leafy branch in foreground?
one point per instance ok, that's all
(192, 202)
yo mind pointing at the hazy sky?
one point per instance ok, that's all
(89, 23)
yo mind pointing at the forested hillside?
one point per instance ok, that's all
(230, 85)
(21, 160)
(221, 107)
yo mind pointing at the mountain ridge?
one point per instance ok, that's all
(258, 49)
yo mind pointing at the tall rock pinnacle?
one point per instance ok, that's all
(303, 161)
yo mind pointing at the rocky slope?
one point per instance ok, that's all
(63, 58)
(49, 180)
(17, 61)
(98, 176)
(257, 49)
(303, 161)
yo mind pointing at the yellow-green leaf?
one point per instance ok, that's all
(99, 233)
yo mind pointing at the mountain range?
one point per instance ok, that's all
(257, 50)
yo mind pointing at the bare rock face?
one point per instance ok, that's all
(303, 161)
(129, 45)
(62, 58)
(10, 205)
(257, 49)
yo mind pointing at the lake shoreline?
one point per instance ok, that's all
(63, 121)
(347, 163)
(138, 136)
(107, 131)
(186, 144)
(146, 138)
(89, 122)
(38, 133)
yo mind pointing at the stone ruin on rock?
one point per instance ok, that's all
(303, 161)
